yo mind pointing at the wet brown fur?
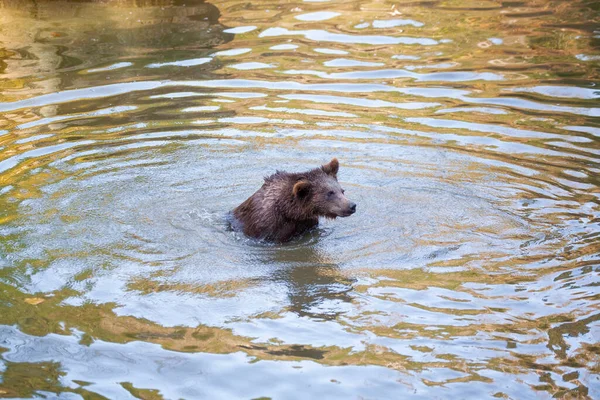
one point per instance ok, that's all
(289, 204)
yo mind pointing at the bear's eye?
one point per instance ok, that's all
(331, 193)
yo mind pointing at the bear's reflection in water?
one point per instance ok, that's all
(316, 286)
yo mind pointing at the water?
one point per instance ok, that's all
(468, 134)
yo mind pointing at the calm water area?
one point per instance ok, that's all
(468, 133)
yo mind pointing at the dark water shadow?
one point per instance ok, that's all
(102, 36)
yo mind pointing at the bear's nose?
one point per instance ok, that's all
(353, 207)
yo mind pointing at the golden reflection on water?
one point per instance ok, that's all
(468, 135)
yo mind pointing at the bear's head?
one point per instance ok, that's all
(321, 193)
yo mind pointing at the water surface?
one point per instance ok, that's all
(468, 134)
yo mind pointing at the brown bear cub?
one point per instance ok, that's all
(289, 204)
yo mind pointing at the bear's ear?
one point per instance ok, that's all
(331, 168)
(301, 189)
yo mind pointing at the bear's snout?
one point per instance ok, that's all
(348, 211)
